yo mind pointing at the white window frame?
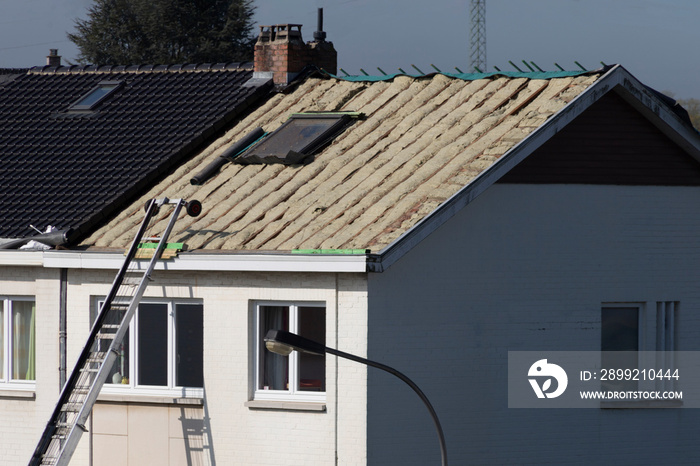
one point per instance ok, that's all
(290, 394)
(171, 389)
(6, 381)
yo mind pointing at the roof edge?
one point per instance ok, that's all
(474, 76)
(616, 79)
(178, 68)
(236, 262)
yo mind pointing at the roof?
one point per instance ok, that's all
(423, 139)
(72, 169)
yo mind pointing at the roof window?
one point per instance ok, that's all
(302, 135)
(96, 95)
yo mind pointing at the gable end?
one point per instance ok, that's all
(609, 143)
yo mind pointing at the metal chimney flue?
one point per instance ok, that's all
(319, 35)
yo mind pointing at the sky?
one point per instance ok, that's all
(658, 41)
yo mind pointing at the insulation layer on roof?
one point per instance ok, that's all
(423, 139)
(69, 169)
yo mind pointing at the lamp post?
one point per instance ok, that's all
(281, 342)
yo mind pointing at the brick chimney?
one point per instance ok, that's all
(53, 59)
(281, 52)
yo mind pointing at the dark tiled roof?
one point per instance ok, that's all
(71, 170)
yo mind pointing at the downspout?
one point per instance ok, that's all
(62, 327)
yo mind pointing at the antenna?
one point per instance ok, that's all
(477, 58)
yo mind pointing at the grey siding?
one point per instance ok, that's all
(527, 267)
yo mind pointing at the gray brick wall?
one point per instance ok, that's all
(527, 268)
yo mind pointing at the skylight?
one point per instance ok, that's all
(300, 136)
(90, 100)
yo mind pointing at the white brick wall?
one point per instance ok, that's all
(527, 268)
(232, 433)
(22, 420)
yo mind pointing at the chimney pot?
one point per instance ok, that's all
(281, 53)
(53, 59)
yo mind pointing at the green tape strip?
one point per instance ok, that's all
(167, 245)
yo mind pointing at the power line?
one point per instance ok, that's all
(34, 45)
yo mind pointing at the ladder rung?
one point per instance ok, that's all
(119, 306)
(135, 281)
(46, 459)
(71, 407)
(108, 326)
(68, 425)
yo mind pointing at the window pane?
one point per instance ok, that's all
(619, 342)
(312, 367)
(620, 327)
(152, 341)
(274, 368)
(298, 137)
(189, 329)
(119, 373)
(95, 96)
(23, 344)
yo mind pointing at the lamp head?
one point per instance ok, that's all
(281, 342)
(278, 348)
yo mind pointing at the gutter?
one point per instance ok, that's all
(195, 261)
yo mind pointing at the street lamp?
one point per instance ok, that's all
(281, 342)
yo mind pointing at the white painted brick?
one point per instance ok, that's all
(239, 435)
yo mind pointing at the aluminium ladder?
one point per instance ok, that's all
(67, 423)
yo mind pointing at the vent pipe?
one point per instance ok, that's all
(319, 35)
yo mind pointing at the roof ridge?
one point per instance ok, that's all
(475, 76)
(177, 68)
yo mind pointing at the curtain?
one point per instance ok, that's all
(31, 364)
(275, 367)
(23, 340)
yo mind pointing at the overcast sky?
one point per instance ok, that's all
(656, 40)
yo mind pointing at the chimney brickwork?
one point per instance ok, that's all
(281, 50)
(53, 59)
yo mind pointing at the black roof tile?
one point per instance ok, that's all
(73, 169)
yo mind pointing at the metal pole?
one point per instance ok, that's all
(410, 383)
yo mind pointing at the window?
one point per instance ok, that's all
(300, 136)
(90, 100)
(299, 376)
(17, 341)
(630, 328)
(619, 342)
(163, 349)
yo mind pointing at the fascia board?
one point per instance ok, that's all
(617, 78)
(659, 114)
(213, 262)
(21, 258)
